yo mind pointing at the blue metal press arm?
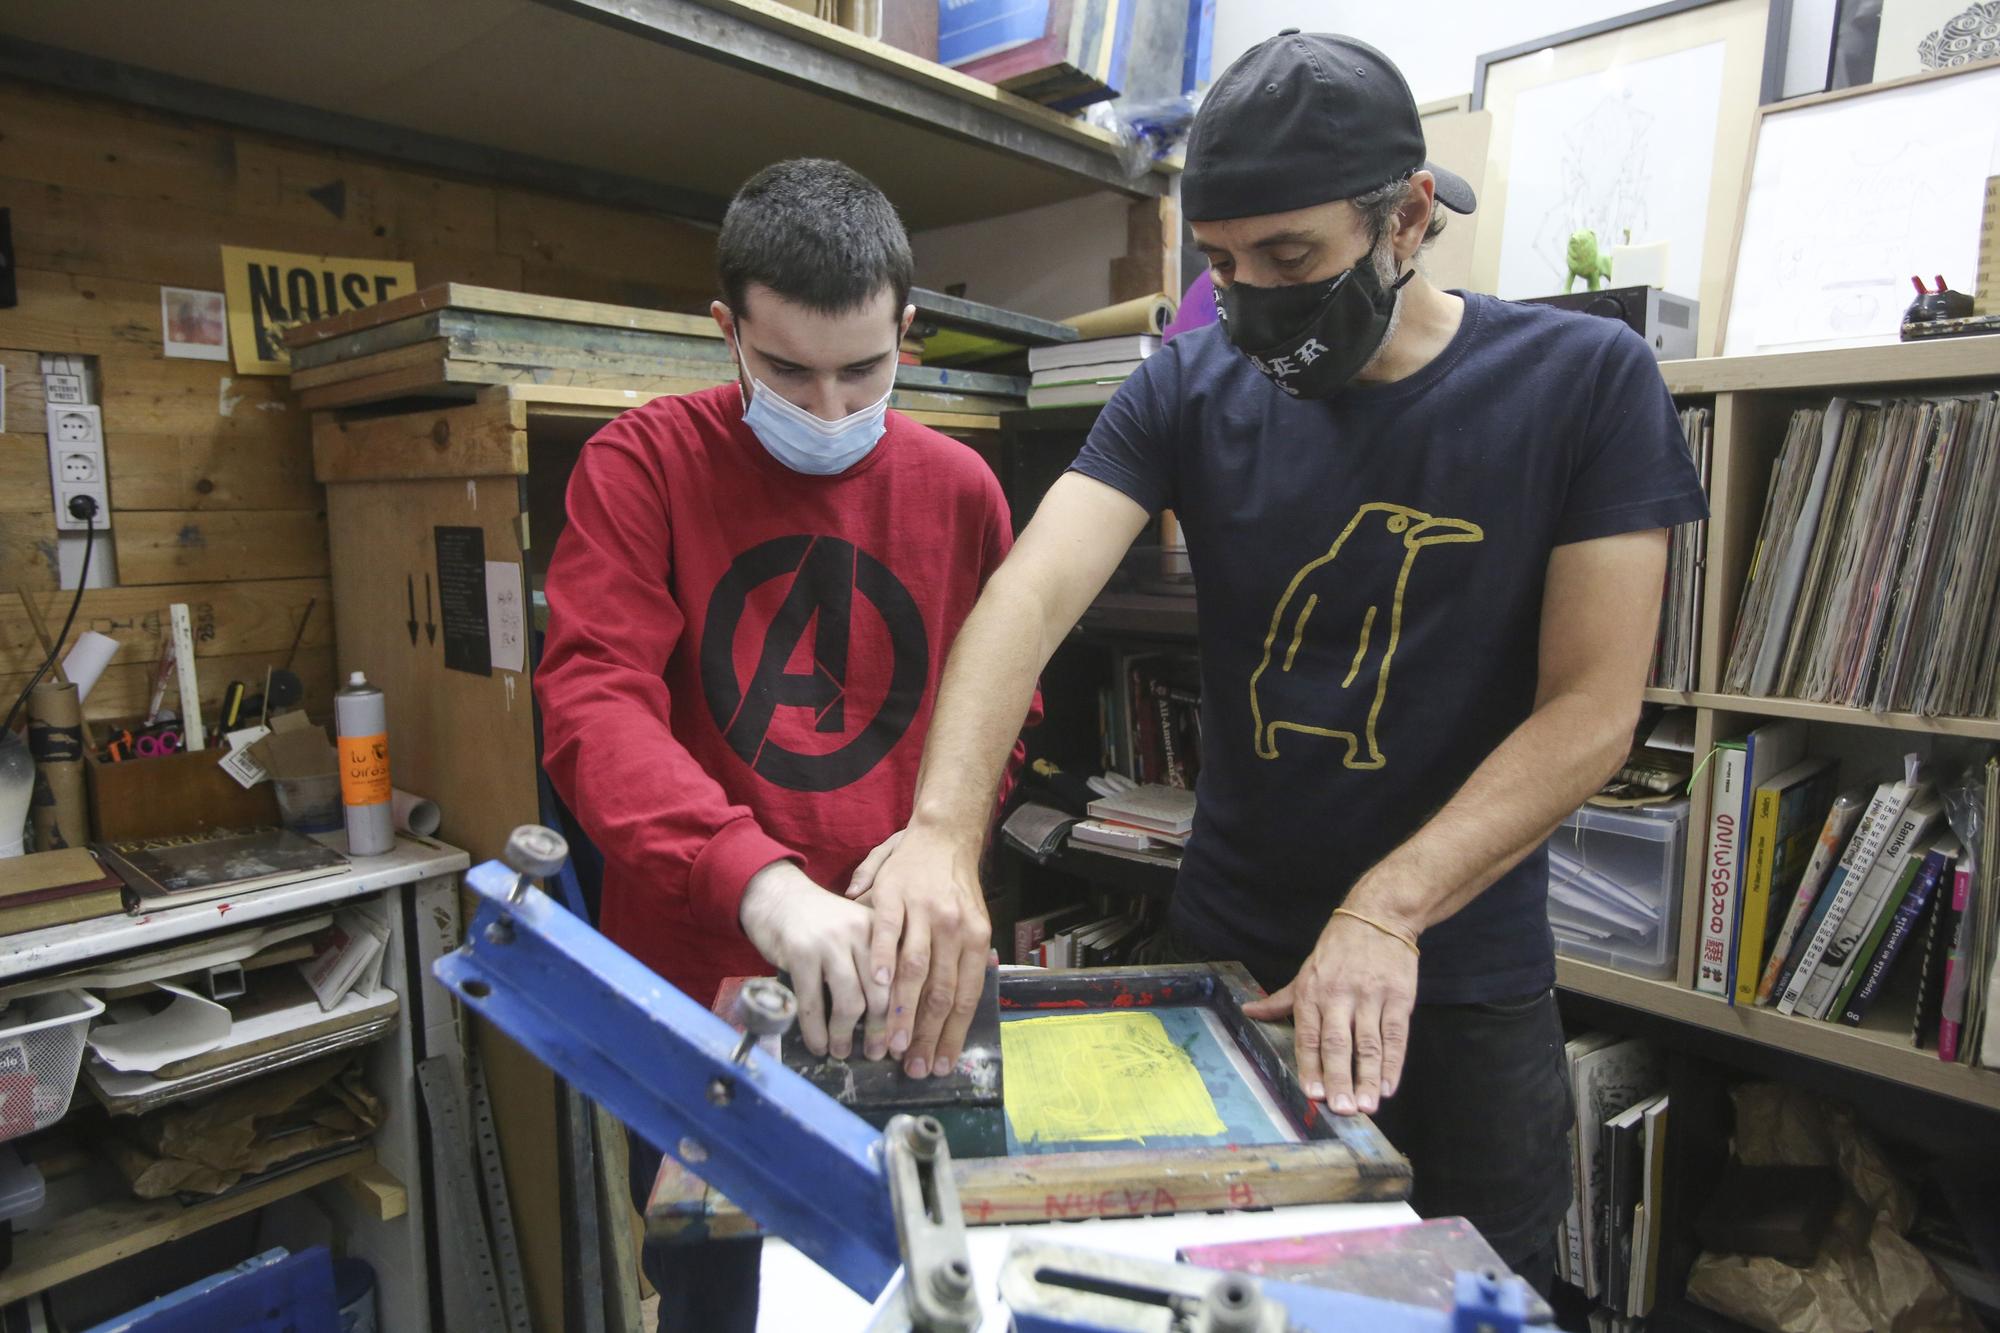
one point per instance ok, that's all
(804, 1166)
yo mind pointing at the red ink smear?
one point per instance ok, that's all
(1061, 1004)
(222, 909)
(1312, 1114)
(1007, 1002)
(1125, 1001)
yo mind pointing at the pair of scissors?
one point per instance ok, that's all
(147, 743)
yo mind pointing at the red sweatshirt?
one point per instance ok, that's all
(741, 660)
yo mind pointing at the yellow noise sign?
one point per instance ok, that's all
(270, 291)
(1102, 1078)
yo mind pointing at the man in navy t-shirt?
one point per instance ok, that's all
(1428, 530)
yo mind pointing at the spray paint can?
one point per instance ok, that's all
(362, 721)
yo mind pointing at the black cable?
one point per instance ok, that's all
(83, 577)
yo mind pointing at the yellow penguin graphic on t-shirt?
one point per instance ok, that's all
(1284, 700)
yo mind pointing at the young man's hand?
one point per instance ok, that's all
(822, 940)
(1350, 1006)
(930, 944)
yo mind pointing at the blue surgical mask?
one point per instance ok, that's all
(806, 443)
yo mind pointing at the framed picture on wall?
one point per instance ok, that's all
(1456, 138)
(1893, 178)
(1636, 129)
(1876, 41)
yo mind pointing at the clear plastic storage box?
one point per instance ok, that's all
(1615, 886)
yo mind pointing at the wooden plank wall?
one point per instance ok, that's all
(212, 493)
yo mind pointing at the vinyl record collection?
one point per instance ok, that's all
(1873, 583)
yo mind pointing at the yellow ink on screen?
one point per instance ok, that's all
(1102, 1078)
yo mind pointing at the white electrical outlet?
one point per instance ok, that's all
(76, 464)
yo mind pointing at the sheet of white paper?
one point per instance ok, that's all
(357, 1007)
(88, 657)
(1631, 148)
(188, 1026)
(506, 618)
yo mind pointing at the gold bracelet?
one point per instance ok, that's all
(1403, 937)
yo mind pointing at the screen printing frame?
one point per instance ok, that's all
(1339, 1159)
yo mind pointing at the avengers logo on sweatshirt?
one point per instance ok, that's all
(813, 660)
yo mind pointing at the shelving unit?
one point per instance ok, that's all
(1752, 398)
(1881, 1047)
(659, 104)
(91, 1239)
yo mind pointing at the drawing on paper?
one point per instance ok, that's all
(1627, 150)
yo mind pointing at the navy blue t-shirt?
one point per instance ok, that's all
(1370, 571)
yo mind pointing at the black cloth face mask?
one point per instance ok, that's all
(1312, 339)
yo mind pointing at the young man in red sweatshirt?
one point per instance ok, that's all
(749, 615)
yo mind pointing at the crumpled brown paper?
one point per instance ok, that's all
(208, 1147)
(1867, 1278)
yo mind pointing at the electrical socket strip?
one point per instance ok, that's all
(76, 464)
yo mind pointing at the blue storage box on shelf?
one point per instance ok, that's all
(1615, 879)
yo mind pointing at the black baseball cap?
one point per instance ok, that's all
(1303, 119)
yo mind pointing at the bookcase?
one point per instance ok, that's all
(1751, 399)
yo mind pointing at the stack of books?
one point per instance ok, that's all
(1812, 896)
(1085, 373)
(1088, 934)
(1149, 719)
(1140, 819)
(1065, 54)
(1874, 579)
(1680, 606)
(56, 888)
(1609, 1243)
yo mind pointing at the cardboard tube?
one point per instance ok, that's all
(1145, 314)
(414, 814)
(55, 738)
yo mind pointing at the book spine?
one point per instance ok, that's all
(1860, 858)
(1870, 947)
(1725, 835)
(1817, 999)
(1762, 865)
(1951, 1021)
(1826, 853)
(1898, 935)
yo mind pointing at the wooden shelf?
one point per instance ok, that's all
(555, 402)
(685, 97)
(1880, 1048)
(88, 1240)
(1144, 614)
(1983, 728)
(1903, 364)
(413, 859)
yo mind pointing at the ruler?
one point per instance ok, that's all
(507, 1250)
(470, 1258)
(193, 736)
